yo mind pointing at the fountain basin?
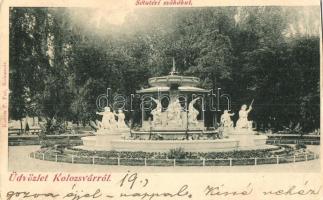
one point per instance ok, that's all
(173, 79)
(161, 145)
(166, 145)
(113, 142)
(171, 134)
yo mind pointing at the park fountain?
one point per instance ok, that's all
(171, 124)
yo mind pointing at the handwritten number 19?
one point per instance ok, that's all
(132, 179)
(129, 179)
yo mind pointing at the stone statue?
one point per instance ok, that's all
(243, 118)
(226, 119)
(192, 112)
(121, 119)
(157, 112)
(174, 113)
(108, 120)
(175, 109)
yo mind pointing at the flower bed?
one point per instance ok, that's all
(182, 155)
(159, 162)
(83, 160)
(264, 161)
(283, 154)
(188, 162)
(245, 161)
(132, 162)
(219, 162)
(106, 161)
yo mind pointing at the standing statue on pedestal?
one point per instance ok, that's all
(157, 118)
(226, 119)
(243, 122)
(108, 120)
(192, 113)
(173, 111)
(121, 117)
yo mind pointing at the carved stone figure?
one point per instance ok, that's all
(157, 112)
(121, 119)
(192, 112)
(226, 119)
(243, 118)
(175, 109)
(108, 120)
(174, 113)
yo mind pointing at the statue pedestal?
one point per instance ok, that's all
(247, 138)
(103, 137)
(227, 131)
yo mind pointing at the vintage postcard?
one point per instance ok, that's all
(161, 99)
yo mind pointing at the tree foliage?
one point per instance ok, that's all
(59, 66)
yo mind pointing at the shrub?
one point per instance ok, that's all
(300, 146)
(177, 153)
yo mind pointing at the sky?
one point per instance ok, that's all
(120, 16)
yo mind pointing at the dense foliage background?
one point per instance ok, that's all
(62, 59)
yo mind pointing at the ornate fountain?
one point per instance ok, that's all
(178, 119)
(173, 121)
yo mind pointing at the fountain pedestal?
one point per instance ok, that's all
(248, 138)
(103, 138)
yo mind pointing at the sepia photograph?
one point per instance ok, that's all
(164, 89)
